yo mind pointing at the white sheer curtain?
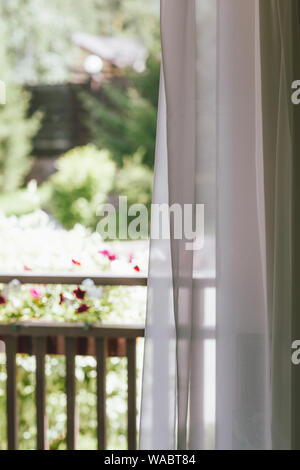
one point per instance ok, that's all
(217, 370)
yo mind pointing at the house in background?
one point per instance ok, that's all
(104, 57)
(97, 59)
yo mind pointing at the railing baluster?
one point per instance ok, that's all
(70, 345)
(11, 400)
(131, 370)
(101, 392)
(40, 395)
(70, 332)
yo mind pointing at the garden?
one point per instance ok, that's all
(33, 243)
(49, 224)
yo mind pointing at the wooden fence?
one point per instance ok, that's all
(100, 335)
(71, 332)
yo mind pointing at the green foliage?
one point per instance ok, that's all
(85, 370)
(39, 49)
(134, 180)
(33, 240)
(130, 17)
(84, 178)
(38, 32)
(147, 83)
(23, 201)
(38, 35)
(122, 115)
(16, 130)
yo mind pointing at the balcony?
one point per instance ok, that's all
(69, 339)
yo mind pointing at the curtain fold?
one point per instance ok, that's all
(280, 48)
(243, 368)
(158, 410)
(220, 320)
(179, 34)
(168, 327)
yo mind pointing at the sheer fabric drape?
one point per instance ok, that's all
(217, 371)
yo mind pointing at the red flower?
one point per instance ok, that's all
(36, 294)
(27, 269)
(61, 299)
(136, 268)
(2, 300)
(76, 263)
(108, 254)
(82, 308)
(80, 294)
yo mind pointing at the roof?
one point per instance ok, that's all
(120, 51)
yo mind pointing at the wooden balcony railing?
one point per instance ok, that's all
(97, 340)
(99, 334)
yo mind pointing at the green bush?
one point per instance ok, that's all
(84, 178)
(134, 180)
(122, 115)
(16, 132)
(39, 44)
(16, 129)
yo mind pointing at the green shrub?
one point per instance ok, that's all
(122, 115)
(84, 178)
(134, 180)
(16, 132)
(16, 129)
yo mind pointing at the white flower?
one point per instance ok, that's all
(16, 302)
(92, 291)
(13, 286)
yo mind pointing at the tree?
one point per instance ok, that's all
(38, 33)
(16, 130)
(122, 115)
(36, 46)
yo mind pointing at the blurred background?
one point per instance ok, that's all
(77, 130)
(82, 90)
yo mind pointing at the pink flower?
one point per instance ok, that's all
(76, 263)
(2, 300)
(82, 308)
(35, 293)
(26, 268)
(104, 253)
(80, 294)
(130, 258)
(108, 254)
(136, 268)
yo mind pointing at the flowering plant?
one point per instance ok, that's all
(35, 243)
